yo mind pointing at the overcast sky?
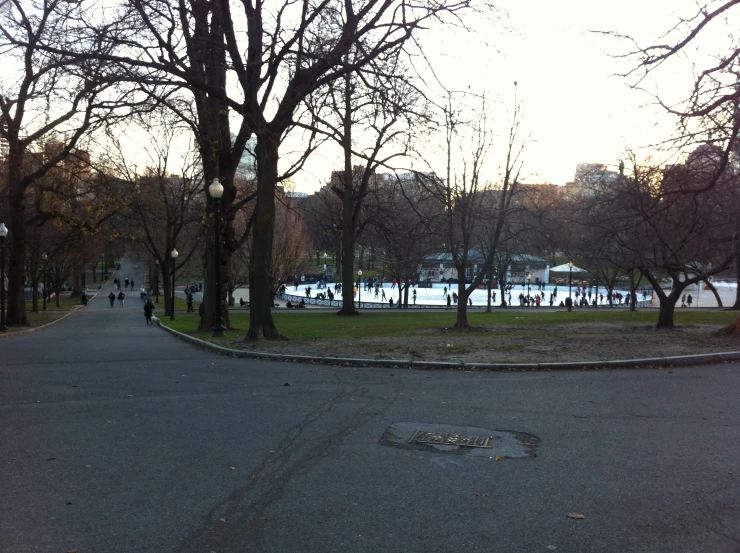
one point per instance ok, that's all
(575, 108)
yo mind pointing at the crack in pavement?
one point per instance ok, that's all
(238, 521)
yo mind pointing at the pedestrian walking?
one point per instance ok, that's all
(126, 282)
(445, 291)
(148, 308)
(449, 301)
(683, 300)
(689, 300)
(414, 296)
(382, 291)
(112, 298)
(121, 297)
(132, 284)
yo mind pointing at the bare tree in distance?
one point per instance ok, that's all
(162, 202)
(46, 95)
(372, 115)
(653, 229)
(474, 212)
(710, 110)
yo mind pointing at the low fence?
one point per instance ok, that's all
(295, 300)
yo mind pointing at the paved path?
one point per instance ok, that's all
(116, 437)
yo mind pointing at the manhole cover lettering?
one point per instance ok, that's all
(452, 439)
(439, 438)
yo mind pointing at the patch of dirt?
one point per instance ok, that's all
(519, 344)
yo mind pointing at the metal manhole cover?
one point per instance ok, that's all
(441, 438)
(460, 440)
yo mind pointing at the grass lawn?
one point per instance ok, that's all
(65, 304)
(320, 324)
(38, 319)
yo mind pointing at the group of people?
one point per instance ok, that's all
(121, 297)
(686, 300)
(126, 282)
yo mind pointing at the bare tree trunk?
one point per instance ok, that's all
(35, 295)
(15, 267)
(261, 324)
(207, 310)
(714, 291)
(462, 302)
(667, 308)
(736, 305)
(348, 204)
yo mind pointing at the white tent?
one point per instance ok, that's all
(565, 269)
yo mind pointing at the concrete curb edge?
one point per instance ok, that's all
(675, 361)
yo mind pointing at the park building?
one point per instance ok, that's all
(439, 267)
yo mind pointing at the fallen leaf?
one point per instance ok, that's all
(287, 384)
(130, 395)
(232, 468)
(222, 519)
(498, 457)
(52, 459)
(577, 516)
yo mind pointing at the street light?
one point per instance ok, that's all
(216, 190)
(570, 283)
(156, 279)
(44, 257)
(359, 286)
(3, 234)
(174, 255)
(103, 276)
(529, 284)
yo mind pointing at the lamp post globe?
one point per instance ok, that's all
(216, 190)
(3, 234)
(570, 283)
(359, 287)
(173, 255)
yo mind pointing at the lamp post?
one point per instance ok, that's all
(156, 280)
(359, 286)
(529, 284)
(43, 274)
(103, 276)
(570, 283)
(216, 190)
(174, 255)
(3, 234)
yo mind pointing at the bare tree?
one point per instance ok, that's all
(286, 51)
(473, 212)
(710, 111)
(161, 203)
(44, 95)
(654, 230)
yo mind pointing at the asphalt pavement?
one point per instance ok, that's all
(117, 437)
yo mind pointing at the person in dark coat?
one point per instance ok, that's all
(112, 298)
(121, 297)
(148, 308)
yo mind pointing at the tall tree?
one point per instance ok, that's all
(473, 211)
(273, 55)
(710, 110)
(45, 95)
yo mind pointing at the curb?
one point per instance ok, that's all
(675, 361)
(37, 328)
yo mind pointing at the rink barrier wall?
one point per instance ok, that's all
(651, 362)
(385, 305)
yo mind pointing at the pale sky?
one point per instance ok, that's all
(575, 109)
